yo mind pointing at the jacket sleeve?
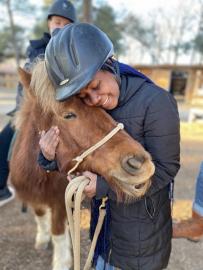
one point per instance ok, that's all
(46, 164)
(162, 139)
(103, 189)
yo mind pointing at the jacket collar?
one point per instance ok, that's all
(38, 43)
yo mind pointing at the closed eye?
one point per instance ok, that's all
(69, 115)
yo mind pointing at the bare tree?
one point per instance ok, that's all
(12, 26)
(148, 36)
(198, 40)
(184, 24)
(165, 34)
(23, 8)
(87, 11)
(178, 27)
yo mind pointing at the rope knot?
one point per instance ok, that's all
(120, 126)
(78, 159)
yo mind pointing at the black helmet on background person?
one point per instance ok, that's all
(73, 56)
(62, 8)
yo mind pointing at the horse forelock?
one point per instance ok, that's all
(43, 88)
(40, 96)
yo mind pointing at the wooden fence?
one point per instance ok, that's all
(8, 80)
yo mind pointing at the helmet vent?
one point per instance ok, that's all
(74, 55)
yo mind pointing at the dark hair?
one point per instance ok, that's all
(112, 66)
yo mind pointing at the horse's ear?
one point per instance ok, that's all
(24, 77)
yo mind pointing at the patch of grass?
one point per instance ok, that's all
(182, 209)
(192, 131)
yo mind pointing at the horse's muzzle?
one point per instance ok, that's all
(132, 164)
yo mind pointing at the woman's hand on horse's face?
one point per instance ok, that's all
(48, 142)
(90, 189)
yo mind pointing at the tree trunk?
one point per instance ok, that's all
(87, 11)
(13, 33)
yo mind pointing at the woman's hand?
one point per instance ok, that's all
(48, 142)
(90, 189)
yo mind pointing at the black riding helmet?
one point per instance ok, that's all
(73, 56)
(62, 8)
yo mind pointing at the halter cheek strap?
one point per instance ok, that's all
(80, 158)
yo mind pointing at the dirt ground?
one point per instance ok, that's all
(17, 229)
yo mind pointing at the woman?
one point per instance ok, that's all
(79, 62)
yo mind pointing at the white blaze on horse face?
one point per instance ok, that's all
(62, 257)
(43, 236)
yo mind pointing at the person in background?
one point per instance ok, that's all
(60, 13)
(135, 235)
(192, 228)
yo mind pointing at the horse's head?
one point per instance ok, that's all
(122, 161)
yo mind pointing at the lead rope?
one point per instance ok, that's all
(73, 208)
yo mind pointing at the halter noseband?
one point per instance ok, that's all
(80, 158)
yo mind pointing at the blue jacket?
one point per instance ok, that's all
(37, 47)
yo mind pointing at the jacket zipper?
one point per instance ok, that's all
(109, 256)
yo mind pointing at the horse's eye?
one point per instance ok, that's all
(69, 115)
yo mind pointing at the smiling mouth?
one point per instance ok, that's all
(106, 101)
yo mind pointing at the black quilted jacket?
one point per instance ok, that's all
(140, 233)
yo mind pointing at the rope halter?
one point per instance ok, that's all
(80, 158)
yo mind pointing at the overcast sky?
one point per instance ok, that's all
(140, 6)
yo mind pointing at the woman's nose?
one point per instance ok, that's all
(94, 99)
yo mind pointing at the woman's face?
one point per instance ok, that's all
(102, 91)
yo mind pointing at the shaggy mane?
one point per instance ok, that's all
(41, 90)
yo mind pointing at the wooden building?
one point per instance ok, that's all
(8, 80)
(183, 81)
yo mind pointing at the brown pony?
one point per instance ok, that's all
(121, 161)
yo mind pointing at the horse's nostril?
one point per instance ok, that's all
(134, 163)
(139, 186)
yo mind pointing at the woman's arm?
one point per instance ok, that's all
(162, 139)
